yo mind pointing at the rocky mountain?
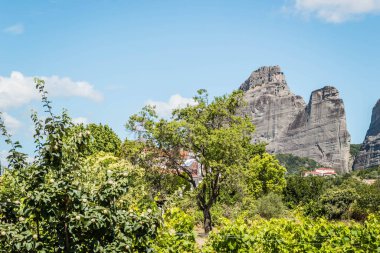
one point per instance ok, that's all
(369, 154)
(316, 130)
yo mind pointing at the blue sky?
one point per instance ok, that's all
(104, 60)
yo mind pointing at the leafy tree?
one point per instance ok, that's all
(264, 174)
(102, 138)
(54, 209)
(337, 201)
(301, 190)
(215, 135)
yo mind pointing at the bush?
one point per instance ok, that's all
(301, 190)
(337, 202)
(299, 235)
(270, 206)
(60, 203)
(177, 234)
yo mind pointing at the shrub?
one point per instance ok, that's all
(51, 205)
(177, 234)
(270, 206)
(298, 235)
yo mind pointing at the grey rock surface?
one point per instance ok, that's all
(315, 130)
(369, 154)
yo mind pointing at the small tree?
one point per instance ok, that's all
(218, 138)
(51, 207)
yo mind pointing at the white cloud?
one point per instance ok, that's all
(15, 29)
(337, 11)
(176, 101)
(11, 123)
(80, 120)
(18, 89)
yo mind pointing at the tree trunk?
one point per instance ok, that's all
(207, 224)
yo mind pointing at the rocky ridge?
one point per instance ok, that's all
(369, 154)
(315, 130)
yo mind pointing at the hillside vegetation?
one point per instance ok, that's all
(88, 191)
(295, 164)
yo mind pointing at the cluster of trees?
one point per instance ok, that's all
(345, 197)
(295, 164)
(87, 191)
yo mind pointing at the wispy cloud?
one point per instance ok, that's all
(164, 109)
(17, 89)
(15, 29)
(336, 11)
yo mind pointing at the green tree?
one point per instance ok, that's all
(218, 138)
(301, 190)
(52, 208)
(264, 174)
(101, 138)
(337, 201)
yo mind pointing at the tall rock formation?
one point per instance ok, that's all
(369, 154)
(290, 126)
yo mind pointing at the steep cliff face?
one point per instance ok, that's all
(271, 105)
(316, 130)
(369, 155)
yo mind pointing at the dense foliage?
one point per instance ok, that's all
(295, 164)
(215, 136)
(346, 197)
(370, 173)
(53, 205)
(85, 191)
(296, 235)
